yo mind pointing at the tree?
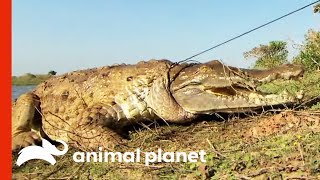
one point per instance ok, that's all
(269, 56)
(316, 8)
(309, 55)
(52, 73)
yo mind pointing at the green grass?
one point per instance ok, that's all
(309, 84)
(29, 79)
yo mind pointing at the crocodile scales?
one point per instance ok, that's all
(88, 108)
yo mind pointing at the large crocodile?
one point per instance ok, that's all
(87, 108)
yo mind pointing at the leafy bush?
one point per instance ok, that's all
(269, 56)
(52, 72)
(310, 53)
(316, 8)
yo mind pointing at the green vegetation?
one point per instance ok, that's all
(276, 53)
(52, 72)
(309, 55)
(309, 84)
(269, 56)
(30, 79)
(316, 8)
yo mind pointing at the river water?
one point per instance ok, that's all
(18, 90)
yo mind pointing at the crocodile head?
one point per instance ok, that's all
(215, 87)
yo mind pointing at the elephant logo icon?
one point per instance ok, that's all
(44, 152)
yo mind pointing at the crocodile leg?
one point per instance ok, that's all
(91, 131)
(25, 118)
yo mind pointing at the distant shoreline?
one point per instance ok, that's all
(30, 79)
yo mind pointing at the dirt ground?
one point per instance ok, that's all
(272, 145)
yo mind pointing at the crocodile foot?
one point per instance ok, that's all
(25, 139)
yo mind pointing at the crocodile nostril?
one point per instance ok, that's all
(65, 95)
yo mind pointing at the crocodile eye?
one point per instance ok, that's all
(129, 78)
(194, 83)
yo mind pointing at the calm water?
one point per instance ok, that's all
(18, 90)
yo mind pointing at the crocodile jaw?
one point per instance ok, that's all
(215, 87)
(206, 102)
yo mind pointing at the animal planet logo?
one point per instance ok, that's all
(45, 152)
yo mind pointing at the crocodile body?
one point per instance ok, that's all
(88, 108)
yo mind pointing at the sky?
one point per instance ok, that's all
(77, 34)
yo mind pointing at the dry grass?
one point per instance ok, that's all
(283, 145)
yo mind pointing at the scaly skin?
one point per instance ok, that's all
(88, 108)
